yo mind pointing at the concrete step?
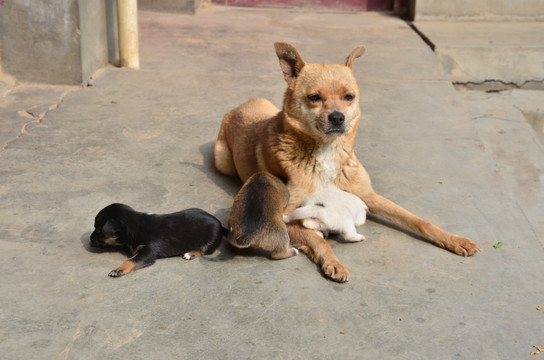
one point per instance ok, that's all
(500, 53)
(487, 10)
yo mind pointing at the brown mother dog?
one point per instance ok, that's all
(309, 143)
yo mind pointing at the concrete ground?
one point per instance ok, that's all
(465, 161)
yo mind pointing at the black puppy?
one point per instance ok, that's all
(190, 233)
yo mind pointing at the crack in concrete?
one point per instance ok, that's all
(493, 117)
(37, 117)
(493, 85)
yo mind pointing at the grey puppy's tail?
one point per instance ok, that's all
(242, 241)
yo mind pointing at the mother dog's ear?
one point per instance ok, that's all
(355, 53)
(290, 60)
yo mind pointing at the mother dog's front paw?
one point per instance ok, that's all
(336, 271)
(462, 246)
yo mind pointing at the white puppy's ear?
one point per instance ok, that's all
(290, 61)
(355, 53)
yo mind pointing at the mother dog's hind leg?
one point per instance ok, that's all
(223, 160)
(318, 250)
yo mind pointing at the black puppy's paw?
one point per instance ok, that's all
(116, 273)
(188, 256)
(125, 268)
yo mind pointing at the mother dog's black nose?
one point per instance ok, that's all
(336, 118)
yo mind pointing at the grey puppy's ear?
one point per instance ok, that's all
(355, 53)
(290, 60)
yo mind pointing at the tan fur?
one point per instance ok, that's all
(256, 216)
(296, 144)
(192, 255)
(127, 267)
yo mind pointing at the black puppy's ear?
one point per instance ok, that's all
(355, 53)
(111, 226)
(290, 60)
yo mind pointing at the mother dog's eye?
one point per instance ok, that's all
(349, 97)
(314, 98)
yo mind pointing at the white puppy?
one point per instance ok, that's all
(331, 210)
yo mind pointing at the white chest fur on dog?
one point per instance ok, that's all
(332, 210)
(326, 167)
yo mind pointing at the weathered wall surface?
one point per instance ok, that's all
(480, 9)
(94, 49)
(53, 41)
(181, 6)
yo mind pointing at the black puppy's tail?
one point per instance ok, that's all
(210, 247)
